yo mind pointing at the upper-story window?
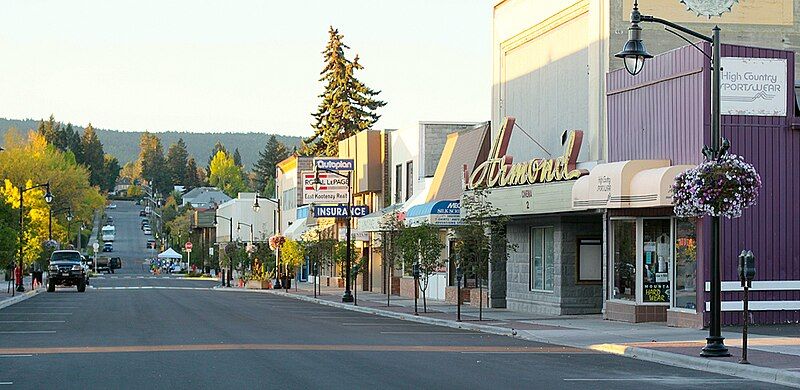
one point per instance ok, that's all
(398, 183)
(409, 179)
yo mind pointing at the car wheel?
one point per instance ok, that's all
(82, 286)
(51, 287)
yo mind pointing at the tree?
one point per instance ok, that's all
(93, 155)
(218, 147)
(151, 161)
(192, 177)
(293, 255)
(421, 244)
(9, 227)
(391, 228)
(50, 130)
(264, 170)
(177, 162)
(348, 105)
(480, 235)
(225, 175)
(110, 173)
(237, 158)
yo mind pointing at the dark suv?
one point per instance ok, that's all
(66, 270)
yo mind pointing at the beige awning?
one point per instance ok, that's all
(627, 184)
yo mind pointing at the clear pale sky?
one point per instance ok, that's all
(238, 65)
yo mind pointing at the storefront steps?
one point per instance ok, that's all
(773, 357)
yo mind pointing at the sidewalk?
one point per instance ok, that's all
(774, 358)
(9, 296)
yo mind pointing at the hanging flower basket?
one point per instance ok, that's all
(724, 187)
(51, 245)
(276, 241)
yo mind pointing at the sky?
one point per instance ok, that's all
(238, 65)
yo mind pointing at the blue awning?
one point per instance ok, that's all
(439, 213)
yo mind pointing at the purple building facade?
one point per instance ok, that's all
(663, 114)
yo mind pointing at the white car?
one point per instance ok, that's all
(111, 206)
(147, 232)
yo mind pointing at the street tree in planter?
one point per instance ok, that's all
(340, 257)
(421, 244)
(391, 227)
(480, 236)
(293, 255)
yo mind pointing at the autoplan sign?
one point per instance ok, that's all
(339, 211)
(334, 164)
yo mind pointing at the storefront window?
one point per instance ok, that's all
(656, 259)
(685, 264)
(624, 259)
(542, 255)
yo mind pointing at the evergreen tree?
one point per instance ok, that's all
(151, 161)
(50, 130)
(93, 155)
(177, 160)
(348, 105)
(264, 170)
(73, 142)
(237, 158)
(191, 178)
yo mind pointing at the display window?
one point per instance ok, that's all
(654, 261)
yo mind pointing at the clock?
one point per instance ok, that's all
(709, 7)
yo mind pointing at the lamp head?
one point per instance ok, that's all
(48, 197)
(215, 221)
(634, 52)
(255, 205)
(69, 216)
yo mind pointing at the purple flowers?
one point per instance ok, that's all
(721, 188)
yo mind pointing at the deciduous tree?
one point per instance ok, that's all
(225, 175)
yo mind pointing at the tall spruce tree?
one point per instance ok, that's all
(237, 158)
(50, 130)
(177, 161)
(110, 174)
(191, 178)
(348, 105)
(151, 161)
(93, 155)
(264, 170)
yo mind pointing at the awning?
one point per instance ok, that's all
(296, 229)
(439, 213)
(169, 254)
(372, 222)
(627, 184)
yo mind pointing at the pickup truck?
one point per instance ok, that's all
(103, 263)
(65, 269)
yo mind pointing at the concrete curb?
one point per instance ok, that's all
(762, 374)
(19, 298)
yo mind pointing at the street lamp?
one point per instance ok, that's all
(347, 296)
(275, 228)
(48, 197)
(230, 239)
(634, 54)
(50, 220)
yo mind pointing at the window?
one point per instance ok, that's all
(590, 260)
(685, 264)
(398, 183)
(624, 252)
(409, 179)
(542, 256)
(289, 199)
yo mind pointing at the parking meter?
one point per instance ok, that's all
(459, 274)
(747, 268)
(415, 270)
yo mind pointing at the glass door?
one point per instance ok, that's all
(656, 260)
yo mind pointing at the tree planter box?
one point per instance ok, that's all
(407, 288)
(258, 284)
(395, 285)
(475, 297)
(450, 294)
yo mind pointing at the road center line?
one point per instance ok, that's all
(31, 321)
(381, 324)
(27, 331)
(14, 356)
(433, 332)
(37, 314)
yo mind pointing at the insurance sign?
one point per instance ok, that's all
(340, 211)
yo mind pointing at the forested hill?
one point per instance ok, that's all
(124, 145)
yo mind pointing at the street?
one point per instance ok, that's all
(135, 330)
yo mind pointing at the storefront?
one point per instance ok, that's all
(655, 264)
(555, 265)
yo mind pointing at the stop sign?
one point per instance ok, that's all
(188, 245)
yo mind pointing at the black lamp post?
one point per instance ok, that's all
(634, 54)
(227, 280)
(415, 272)
(347, 296)
(48, 197)
(50, 221)
(275, 228)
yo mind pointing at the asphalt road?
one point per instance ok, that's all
(130, 241)
(139, 331)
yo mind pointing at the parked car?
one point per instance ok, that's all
(65, 269)
(142, 213)
(102, 263)
(108, 247)
(147, 231)
(151, 243)
(111, 206)
(115, 263)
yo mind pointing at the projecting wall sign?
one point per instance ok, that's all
(753, 86)
(709, 8)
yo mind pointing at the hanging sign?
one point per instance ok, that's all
(499, 170)
(340, 211)
(334, 164)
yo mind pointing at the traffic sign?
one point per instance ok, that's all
(334, 164)
(188, 246)
(339, 211)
